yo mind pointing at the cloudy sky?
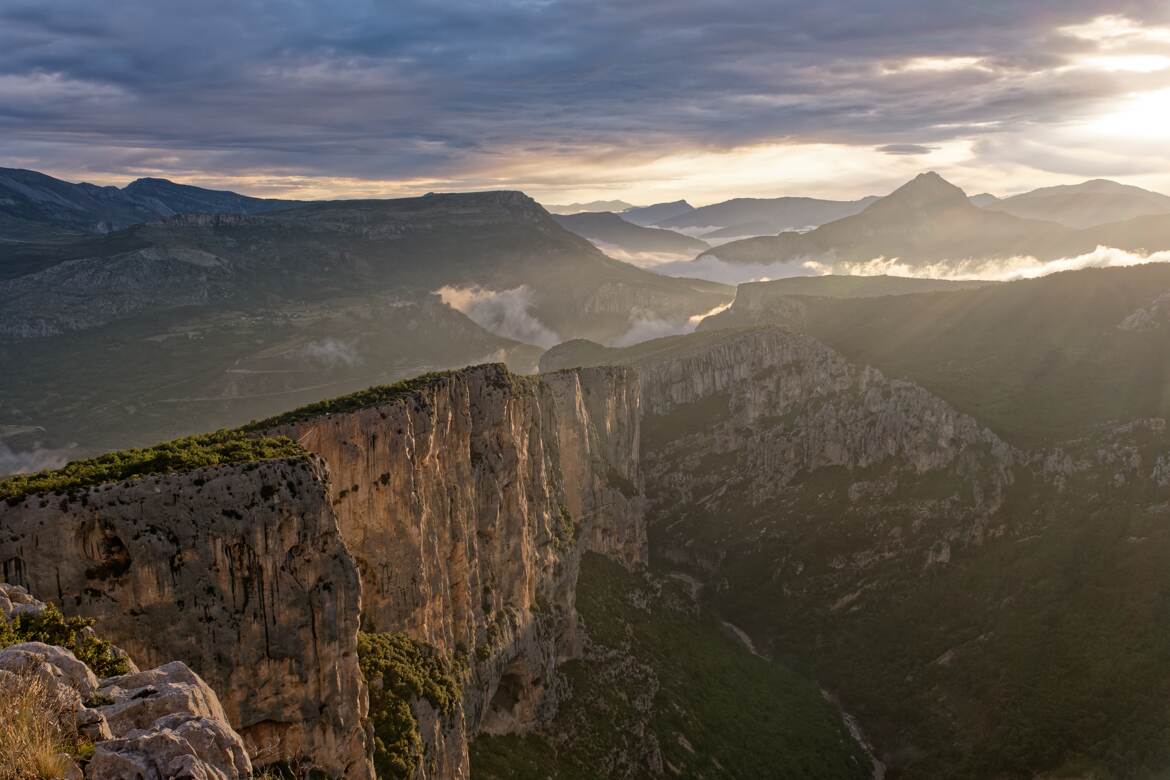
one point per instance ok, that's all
(643, 100)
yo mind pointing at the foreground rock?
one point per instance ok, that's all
(160, 724)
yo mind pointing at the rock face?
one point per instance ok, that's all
(238, 571)
(456, 513)
(467, 507)
(160, 724)
(772, 429)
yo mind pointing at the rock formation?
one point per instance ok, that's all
(155, 725)
(463, 503)
(238, 571)
(467, 506)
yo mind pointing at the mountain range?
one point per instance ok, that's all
(930, 221)
(606, 230)
(32, 203)
(207, 319)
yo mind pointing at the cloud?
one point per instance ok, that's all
(353, 97)
(1002, 270)
(712, 269)
(331, 352)
(645, 326)
(905, 149)
(641, 259)
(506, 313)
(37, 458)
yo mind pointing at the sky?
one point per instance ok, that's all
(568, 100)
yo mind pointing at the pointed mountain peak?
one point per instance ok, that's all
(925, 191)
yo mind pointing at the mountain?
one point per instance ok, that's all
(455, 564)
(753, 294)
(612, 230)
(202, 321)
(761, 216)
(656, 213)
(1083, 205)
(593, 205)
(948, 507)
(926, 220)
(34, 206)
(984, 199)
(1039, 361)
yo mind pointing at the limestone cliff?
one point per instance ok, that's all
(238, 571)
(766, 419)
(454, 510)
(467, 504)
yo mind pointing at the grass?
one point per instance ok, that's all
(662, 674)
(53, 628)
(37, 737)
(401, 671)
(378, 395)
(194, 452)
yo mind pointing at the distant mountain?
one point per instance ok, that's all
(983, 199)
(593, 205)
(657, 213)
(1083, 205)
(34, 206)
(762, 216)
(1011, 353)
(760, 302)
(605, 228)
(925, 220)
(198, 321)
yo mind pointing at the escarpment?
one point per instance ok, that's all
(450, 512)
(238, 571)
(467, 504)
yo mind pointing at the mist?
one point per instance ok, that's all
(332, 353)
(712, 269)
(37, 458)
(645, 326)
(998, 270)
(506, 313)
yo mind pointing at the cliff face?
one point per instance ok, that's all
(239, 571)
(467, 507)
(455, 513)
(788, 442)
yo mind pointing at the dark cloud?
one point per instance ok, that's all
(419, 88)
(905, 149)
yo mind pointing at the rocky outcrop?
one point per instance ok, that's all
(467, 505)
(160, 724)
(238, 571)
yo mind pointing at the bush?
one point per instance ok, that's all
(53, 628)
(211, 449)
(399, 671)
(362, 399)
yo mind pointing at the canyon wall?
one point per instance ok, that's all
(238, 571)
(467, 506)
(454, 511)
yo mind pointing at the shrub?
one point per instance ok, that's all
(399, 671)
(211, 449)
(53, 628)
(362, 399)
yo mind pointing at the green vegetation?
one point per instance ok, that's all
(400, 671)
(53, 628)
(363, 399)
(665, 675)
(194, 452)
